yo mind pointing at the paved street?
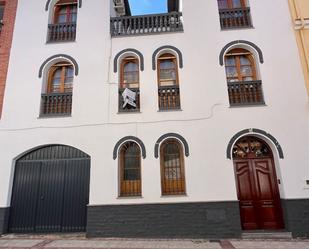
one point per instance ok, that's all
(49, 242)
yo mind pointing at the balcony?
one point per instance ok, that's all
(146, 24)
(128, 108)
(56, 104)
(61, 32)
(169, 97)
(235, 18)
(245, 93)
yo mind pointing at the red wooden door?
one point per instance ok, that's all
(258, 191)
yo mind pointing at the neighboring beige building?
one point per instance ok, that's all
(300, 15)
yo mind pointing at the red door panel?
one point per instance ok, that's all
(258, 194)
(268, 200)
(246, 195)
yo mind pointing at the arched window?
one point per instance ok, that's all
(65, 11)
(57, 93)
(129, 99)
(241, 72)
(172, 168)
(63, 26)
(61, 77)
(168, 81)
(234, 14)
(130, 169)
(240, 65)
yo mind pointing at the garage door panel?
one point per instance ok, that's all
(24, 197)
(76, 195)
(50, 199)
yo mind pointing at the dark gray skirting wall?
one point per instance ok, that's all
(181, 220)
(4, 219)
(296, 216)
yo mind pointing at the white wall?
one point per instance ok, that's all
(95, 126)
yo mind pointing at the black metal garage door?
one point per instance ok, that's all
(50, 191)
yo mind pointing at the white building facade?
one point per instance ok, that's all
(213, 144)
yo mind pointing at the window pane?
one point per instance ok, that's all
(131, 165)
(69, 72)
(230, 61)
(167, 64)
(246, 71)
(130, 67)
(167, 74)
(62, 18)
(231, 72)
(223, 4)
(237, 4)
(244, 60)
(172, 168)
(73, 17)
(131, 73)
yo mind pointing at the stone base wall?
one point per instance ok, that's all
(296, 216)
(181, 220)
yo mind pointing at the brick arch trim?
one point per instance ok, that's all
(129, 138)
(76, 67)
(140, 55)
(155, 53)
(251, 44)
(254, 131)
(48, 2)
(171, 135)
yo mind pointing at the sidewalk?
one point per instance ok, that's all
(49, 242)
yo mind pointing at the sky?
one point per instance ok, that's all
(143, 7)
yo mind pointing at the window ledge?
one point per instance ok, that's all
(237, 28)
(129, 197)
(171, 196)
(247, 105)
(55, 116)
(130, 112)
(171, 110)
(58, 42)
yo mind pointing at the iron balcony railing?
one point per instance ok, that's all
(61, 32)
(128, 108)
(245, 93)
(56, 104)
(235, 18)
(146, 24)
(169, 97)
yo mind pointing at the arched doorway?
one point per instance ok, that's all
(50, 191)
(257, 186)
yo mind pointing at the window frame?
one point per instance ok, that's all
(63, 65)
(69, 7)
(162, 57)
(179, 189)
(237, 53)
(124, 61)
(129, 188)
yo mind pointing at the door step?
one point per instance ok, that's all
(266, 235)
